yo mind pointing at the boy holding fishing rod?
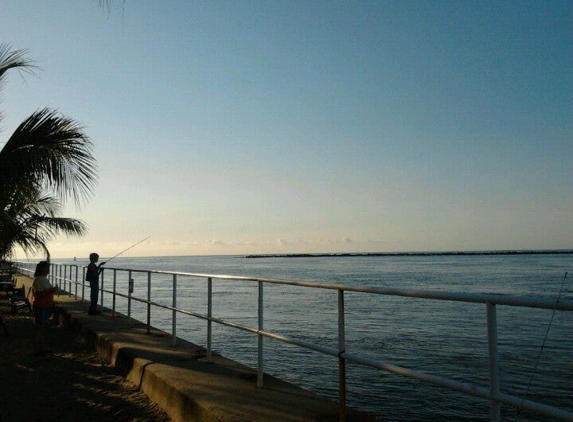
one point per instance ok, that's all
(92, 276)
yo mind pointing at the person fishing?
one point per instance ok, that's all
(93, 273)
(92, 276)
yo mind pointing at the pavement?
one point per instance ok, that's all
(181, 381)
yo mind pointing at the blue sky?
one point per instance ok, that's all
(237, 127)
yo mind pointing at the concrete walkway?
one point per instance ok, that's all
(179, 379)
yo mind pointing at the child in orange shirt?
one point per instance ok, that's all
(43, 301)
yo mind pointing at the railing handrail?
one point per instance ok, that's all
(533, 301)
(491, 300)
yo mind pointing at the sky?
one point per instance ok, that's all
(245, 127)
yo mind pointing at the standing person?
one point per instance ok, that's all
(43, 301)
(93, 277)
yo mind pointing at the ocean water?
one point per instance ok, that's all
(441, 338)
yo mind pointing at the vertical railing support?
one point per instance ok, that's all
(101, 287)
(341, 360)
(65, 282)
(83, 282)
(114, 292)
(129, 292)
(260, 371)
(494, 406)
(174, 312)
(149, 302)
(76, 286)
(68, 279)
(209, 316)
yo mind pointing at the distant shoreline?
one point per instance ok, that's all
(468, 253)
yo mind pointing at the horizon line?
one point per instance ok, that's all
(358, 254)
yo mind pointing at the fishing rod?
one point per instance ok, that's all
(541, 349)
(125, 250)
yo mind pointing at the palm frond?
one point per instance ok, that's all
(47, 160)
(13, 59)
(10, 59)
(52, 150)
(34, 224)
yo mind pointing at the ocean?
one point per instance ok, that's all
(442, 338)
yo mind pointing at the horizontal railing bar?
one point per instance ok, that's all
(332, 351)
(323, 349)
(420, 376)
(497, 299)
(536, 407)
(466, 388)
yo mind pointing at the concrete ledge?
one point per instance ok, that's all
(184, 385)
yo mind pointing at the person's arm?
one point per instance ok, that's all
(99, 267)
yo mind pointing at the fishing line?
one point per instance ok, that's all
(542, 346)
(126, 249)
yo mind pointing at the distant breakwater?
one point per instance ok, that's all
(466, 253)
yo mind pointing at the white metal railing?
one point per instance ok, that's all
(71, 277)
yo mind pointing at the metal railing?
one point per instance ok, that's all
(71, 277)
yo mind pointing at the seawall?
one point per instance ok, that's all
(179, 378)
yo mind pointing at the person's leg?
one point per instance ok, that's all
(38, 335)
(40, 321)
(3, 325)
(94, 285)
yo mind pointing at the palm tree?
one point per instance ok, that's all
(47, 160)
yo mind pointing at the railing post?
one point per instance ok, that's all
(129, 292)
(174, 313)
(83, 282)
(209, 315)
(341, 360)
(76, 286)
(68, 279)
(260, 372)
(494, 406)
(114, 292)
(149, 302)
(101, 290)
